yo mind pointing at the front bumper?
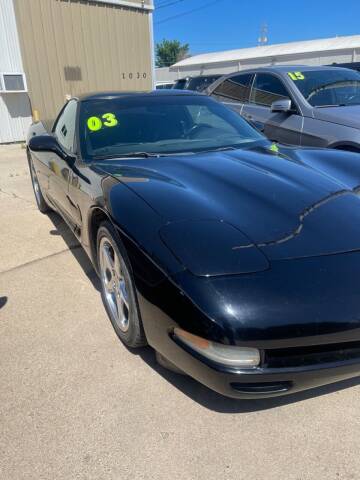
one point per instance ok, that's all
(295, 311)
(262, 382)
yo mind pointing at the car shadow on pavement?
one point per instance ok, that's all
(75, 248)
(218, 403)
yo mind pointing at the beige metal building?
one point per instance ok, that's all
(67, 47)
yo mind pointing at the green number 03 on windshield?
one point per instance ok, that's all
(107, 120)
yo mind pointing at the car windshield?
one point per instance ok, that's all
(160, 125)
(180, 84)
(199, 84)
(328, 87)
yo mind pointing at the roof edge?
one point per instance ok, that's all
(266, 51)
(138, 5)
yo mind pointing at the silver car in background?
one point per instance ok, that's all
(297, 105)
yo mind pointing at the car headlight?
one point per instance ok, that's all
(228, 355)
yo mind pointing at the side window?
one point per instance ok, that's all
(235, 88)
(267, 89)
(65, 126)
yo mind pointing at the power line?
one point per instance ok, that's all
(173, 17)
(160, 3)
(215, 43)
(168, 4)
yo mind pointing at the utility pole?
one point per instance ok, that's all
(263, 39)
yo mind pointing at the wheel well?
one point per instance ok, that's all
(98, 216)
(347, 148)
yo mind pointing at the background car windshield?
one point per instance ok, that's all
(199, 84)
(160, 124)
(322, 88)
(180, 84)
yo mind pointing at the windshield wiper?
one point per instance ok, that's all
(236, 146)
(140, 155)
(218, 149)
(129, 155)
(333, 105)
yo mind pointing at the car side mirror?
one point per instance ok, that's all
(44, 143)
(284, 105)
(48, 143)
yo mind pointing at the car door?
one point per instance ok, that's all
(234, 91)
(283, 127)
(60, 164)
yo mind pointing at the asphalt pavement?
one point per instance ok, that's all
(76, 404)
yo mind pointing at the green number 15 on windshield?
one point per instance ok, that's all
(296, 76)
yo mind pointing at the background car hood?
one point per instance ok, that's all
(291, 204)
(349, 116)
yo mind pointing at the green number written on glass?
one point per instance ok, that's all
(94, 123)
(296, 76)
(110, 120)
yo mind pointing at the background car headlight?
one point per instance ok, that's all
(229, 355)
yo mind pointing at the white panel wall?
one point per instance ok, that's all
(15, 112)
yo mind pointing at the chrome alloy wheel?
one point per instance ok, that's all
(115, 278)
(35, 183)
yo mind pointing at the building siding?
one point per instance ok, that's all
(15, 113)
(71, 47)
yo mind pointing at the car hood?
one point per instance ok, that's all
(291, 204)
(348, 116)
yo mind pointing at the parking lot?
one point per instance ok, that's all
(76, 404)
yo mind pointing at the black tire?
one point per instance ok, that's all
(133, 336)
(40, 200)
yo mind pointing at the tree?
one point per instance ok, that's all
(169, 52)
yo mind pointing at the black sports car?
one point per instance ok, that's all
(236, 259)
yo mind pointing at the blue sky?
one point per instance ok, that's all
(230, 24)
